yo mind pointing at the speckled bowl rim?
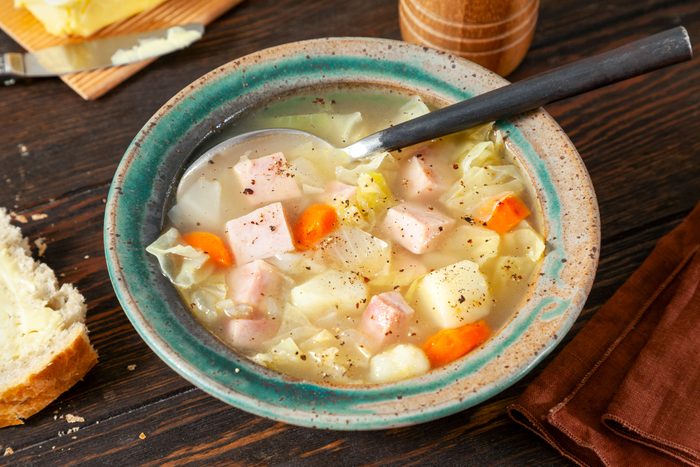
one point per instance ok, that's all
(561, 182)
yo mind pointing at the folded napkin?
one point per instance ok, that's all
(626, 389)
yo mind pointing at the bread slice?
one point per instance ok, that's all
(43, 338)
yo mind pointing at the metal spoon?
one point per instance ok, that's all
(633, 59)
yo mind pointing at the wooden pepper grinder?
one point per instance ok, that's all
(493, 33)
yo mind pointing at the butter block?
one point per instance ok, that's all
(82, 17)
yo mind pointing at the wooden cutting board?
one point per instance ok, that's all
(30, 34)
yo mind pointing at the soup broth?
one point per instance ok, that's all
(352, 272)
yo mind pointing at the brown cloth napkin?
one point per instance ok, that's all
(626, 389)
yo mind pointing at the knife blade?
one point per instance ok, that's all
(99, 53)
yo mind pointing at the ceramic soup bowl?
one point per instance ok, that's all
(189, 123)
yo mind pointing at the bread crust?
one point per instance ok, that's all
(38, 390)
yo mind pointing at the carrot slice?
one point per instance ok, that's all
(210, 244)
(315, 223)
(448, 345)
(506, 214)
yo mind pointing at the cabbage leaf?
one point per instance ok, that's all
(353, 249)
(413, 108)
(480, 185)
(208, 300)
(382, 161)
(315, 363)
(523, 241)
(371, 199)
(182, 264)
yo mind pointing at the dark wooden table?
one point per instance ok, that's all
(640, 141)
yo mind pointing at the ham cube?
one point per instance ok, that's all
(416, 228)
(251, 283)
(418, 179)
(339, 191)
(266, 179)
(385, 318)
(250, 334)
(260, 234)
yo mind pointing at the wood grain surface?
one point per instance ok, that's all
(640, 141)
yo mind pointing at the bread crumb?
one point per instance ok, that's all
(39, 216)
(21, 218)
(8, 451)
(131, 367)
(142, 435)
(23, 149)
(40, 245)
(72, 430)
(86, 257)
(70, 418)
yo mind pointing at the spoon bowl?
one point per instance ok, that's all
(267, 141)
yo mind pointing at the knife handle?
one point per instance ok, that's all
(11, 65)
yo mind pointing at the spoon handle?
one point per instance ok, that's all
(636, 58)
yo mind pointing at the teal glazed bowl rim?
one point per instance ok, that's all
(154, 160)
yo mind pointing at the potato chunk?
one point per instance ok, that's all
(400, 362)
(510, 278)
(454, 295)
(328, 291)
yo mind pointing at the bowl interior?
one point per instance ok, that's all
(195, 119)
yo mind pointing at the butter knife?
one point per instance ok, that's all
(98, 53)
